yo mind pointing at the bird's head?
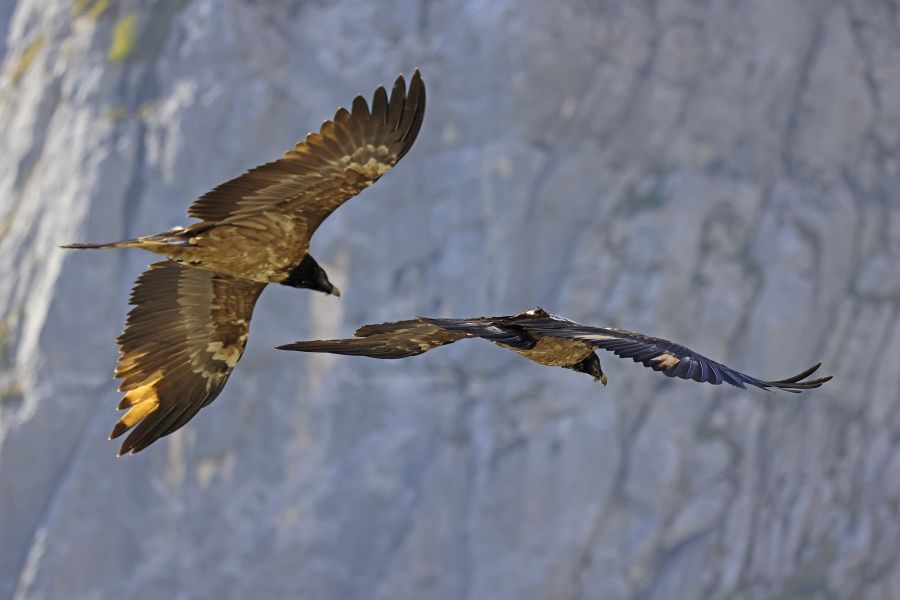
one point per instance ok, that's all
(591, 366)
(308, 274)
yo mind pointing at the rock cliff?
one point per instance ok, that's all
(724, 174)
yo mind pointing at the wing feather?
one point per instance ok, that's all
(182, 339)
(673, 360)
(346, 155)
(496, 329)
(384, 340)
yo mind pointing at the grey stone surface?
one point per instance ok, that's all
(721, 173)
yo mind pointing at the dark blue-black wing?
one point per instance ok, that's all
(671, 359)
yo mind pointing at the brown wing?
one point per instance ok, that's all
(384, 340)
(347, 155)
(182, 339)
(662, 355)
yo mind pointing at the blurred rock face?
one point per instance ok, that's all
(722, 174)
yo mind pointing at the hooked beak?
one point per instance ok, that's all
(602, 379)
(334, 291)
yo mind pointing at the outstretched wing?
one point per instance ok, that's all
(501, 330)
(667, 357)
(384, 340)
(347, 155)
(182, 339)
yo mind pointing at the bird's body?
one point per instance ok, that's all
(265, 248)
(191, 314)
(554, 352)
(548, 340)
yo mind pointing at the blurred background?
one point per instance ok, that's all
(722, 174)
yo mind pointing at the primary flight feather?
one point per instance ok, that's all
(191, 314)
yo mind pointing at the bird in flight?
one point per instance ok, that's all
(549, 340)
(192, 311)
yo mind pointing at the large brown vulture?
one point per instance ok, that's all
(192, 312)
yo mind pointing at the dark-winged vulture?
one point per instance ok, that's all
(192, 312)
(549, 340)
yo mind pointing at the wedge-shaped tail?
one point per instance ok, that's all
(89, 246)
(177, 236)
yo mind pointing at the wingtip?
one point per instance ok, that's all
(415, 80)
(418, 84)
(796, 384)
(131, 448)
(123, 448)
(802, 375)
(118, 430)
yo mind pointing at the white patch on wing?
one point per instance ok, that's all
(423, 345)
(370, 161)
(372, 168)
(227, 354)
(666, 361)
(596, 337)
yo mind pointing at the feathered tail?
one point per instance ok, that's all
(174, 237)
(122, 244)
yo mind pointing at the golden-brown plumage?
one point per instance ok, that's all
(554, 352)
(258, 225)
(191, 314)
(182, 339)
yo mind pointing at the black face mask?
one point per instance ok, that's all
(308, 274)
